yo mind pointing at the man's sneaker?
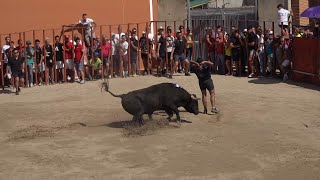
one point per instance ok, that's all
(135, 75)
(187, 74)
(205, 111)
(68, 78)
(90, 78)
(214, 110)
(77, 80)
(17, 92)
(82, 82)
(40, 84)
(251, 75)
(31, 85)
(170, 76)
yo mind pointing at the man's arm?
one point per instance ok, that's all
(195, 63)
(207, 62)
(134, 47)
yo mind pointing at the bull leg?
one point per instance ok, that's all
(170, 114)
(176, 111)
(150, 116)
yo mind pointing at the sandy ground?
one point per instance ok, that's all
(265, 130)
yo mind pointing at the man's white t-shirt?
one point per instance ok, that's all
(284, 16)
(4, 48)
(124, 46)
(115, 43)
(87, 25)
(261, 41)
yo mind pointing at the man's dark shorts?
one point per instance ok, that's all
(78, 65)
(144, 57)
(105, 61)
(179, 57)
(17, 74)
(206, 85)
(235, 55)
(49, 64)
(133, 57)
(162, 56)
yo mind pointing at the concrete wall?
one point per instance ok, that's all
(172, 10)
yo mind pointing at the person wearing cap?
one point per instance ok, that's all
(145, 45)
(68, 46)
(49, 61)
(95, 65)
(29, 50)
(269, 53)
(16, 65)
(79, 52)
(106, 55)
(178, 55)
(203, 72)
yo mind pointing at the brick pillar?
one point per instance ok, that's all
(298, 6)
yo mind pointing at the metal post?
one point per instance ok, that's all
(274, 59)
(101, 55)
(92, 53)
(189, 12)
(54, 57)
(25, 60)
(165, 30)
(148, 51)
(239, 68)
(120, 55)
(45, 57)
(64, 59)
(129, 51)
(110, 53)
(138, 59)
(2, 66)
(200, 40)
(35, 55)
(265, 51)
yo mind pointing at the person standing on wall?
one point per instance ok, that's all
(284, 16)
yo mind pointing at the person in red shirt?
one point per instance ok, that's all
(210, 45)
(220, 55)
(68, 54)
(78, 59)
(106, 55)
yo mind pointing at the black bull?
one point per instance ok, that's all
(165, 96)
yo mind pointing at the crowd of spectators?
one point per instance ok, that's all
(77, 59)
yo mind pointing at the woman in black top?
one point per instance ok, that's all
(203, 72)
(17, 69)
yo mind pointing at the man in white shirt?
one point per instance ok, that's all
(89, 25)
(124, 60)
(5, 53)
(284, 16)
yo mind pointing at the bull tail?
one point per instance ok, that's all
(105, 85)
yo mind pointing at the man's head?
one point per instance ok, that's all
(219, 28)
(179, 35)
(96, 55)
(134, 31)
(77, 41)
(15, 53)
(57, 39)
(181, 28)
(20, 42)
(251, 29)
(28, 43)
(270, 35)
(7, 40)
(188, 31)
(220, 35)
(84, 17)
(67, 38)
(280, 6)
(47, 41)
(144, 34)
(199, 60)
(37, 42)
(123, 38)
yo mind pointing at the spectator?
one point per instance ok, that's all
(17, 69)
(39, 61)
(115, 54)
(178, 54)
(285, 59)
(145, 43)
(297, 32)
(235, 44)
(252, 43)
(189, 50)
(124, 54)
(134, 52)
(210, 45)
(285, 33)
(260, 52)
(79, 52)
(243, 51)
(316, 30)
(220, 61)
(5, 56)
(170, 40)
(20, 48)
(284, 16)
(59, 59)
(49, 61)
(89, 26)
(106, 55)
(161, 53)
(30, 62)
(68, 49)
(95, 65)
(269, 53)
(228, 54)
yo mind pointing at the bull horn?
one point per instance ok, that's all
(193, 96)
